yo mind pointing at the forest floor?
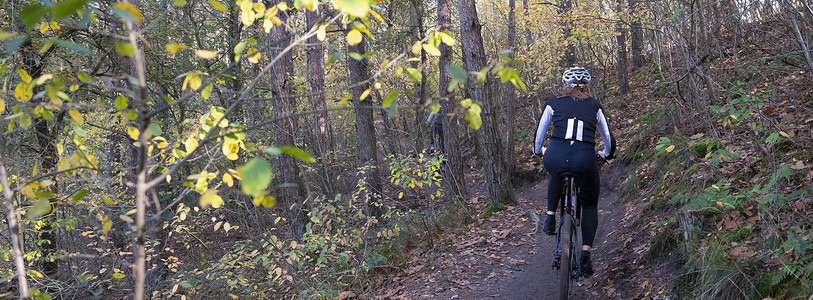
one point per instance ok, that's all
(508, 257)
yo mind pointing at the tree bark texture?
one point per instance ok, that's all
(621, 51)
(13, 226)
(498, 181)
(453, 175)
(291, 193)
(359, 71)
(636, 35)
(510, 90)
(420, 87)
(316, 78)
(569, 58)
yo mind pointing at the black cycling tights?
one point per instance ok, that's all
(564, 156)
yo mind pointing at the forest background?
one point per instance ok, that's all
(189, 148)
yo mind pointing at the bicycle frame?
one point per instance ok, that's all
(568, 223)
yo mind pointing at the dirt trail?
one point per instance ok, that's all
(503, 258)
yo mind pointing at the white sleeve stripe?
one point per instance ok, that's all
(580, 131)
(604, 130)
(569, 134)
(542, 129)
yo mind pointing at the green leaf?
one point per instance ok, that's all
(473, 116)
(414, 74)
(292, 151)
(13, 44)
(154, 129)
(457, 73)
(333, 57)
(355, 56)
(65, 8)
(32, 14)
(356, 8)
(120, 102)
(256, 176)
(388, 100)
(80, 131)
(84, 77)
(44, 194)
(80, 195)
(74, 46)
(118, 276)
(125, 49)
(207, 91)
(39, 209)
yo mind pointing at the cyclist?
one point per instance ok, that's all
(436, 122)
(575, 116)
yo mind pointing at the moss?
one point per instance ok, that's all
(740, 234)
(492, 208)
(701, 148)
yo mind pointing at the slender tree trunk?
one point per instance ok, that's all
(359, 71)
(141, 167)
(453, 174)
(569, 59)
(510, 92)
(316, 79)
(621, 51)
(420, 87)
(636, 35)
(13, 226)
(292, 194)
(235, 83)
(498, 181)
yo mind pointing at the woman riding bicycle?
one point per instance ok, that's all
(575, 116)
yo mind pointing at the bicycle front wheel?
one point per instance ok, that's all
(566, 231)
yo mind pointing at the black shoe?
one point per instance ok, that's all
(586, 264)
(550, 225)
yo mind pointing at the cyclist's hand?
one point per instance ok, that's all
(601, 153)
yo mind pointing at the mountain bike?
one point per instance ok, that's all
(568, 249)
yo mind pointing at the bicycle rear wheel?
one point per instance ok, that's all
(566, 231)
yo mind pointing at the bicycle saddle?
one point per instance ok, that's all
(569, 174)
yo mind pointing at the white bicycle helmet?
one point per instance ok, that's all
(576, 76)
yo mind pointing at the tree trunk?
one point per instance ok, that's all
(498, 181)
(292, 193)
(636, 35)
(420, 87)
(359, 71)
(569, 58)
(13, 226)
(621, 51)
(316, 78)
(454, 180)
(510, 93)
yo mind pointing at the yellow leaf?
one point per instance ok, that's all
(733, 117)
(210, 197)
(432, 50)
(24, 75)
(400, 195)
(126, 218)
(206, 54)
(377, 16)
(785, 134)
(44, 78)
(321, 33)
(267, 25)
(76, 116)
(34, 273)
(129, 8)
(2, 105)
(258, 8)
(219, 6)
(416, 48)
(73, 88)
(353, 37)
(228, 180)
(247, 16)
(195, 82)
(283, 6)
(230, 149)
(175, 48)
(217, 225)
(59, 148)
(364, 95)
(21, 93)
(107, 226)
(191, 143)
(446, 39)
(715, 186)
(109, 201)
(43, 27)
(133, 132)
(670, 149)
(309, 4)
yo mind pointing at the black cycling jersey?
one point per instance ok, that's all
(575, 120)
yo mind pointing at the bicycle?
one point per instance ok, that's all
(570, 219)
